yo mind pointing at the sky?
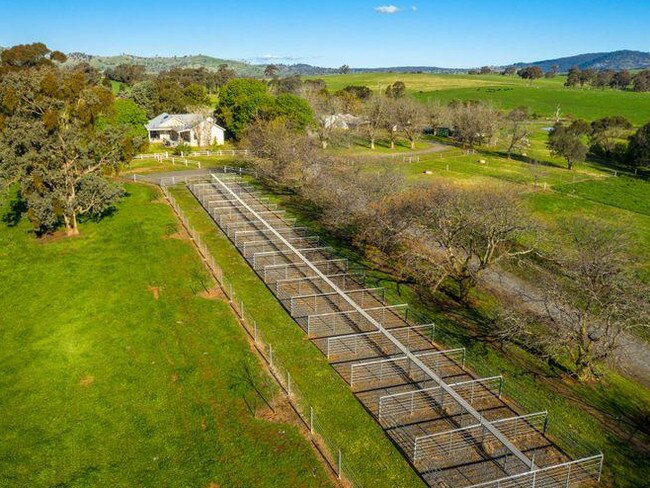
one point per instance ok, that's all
(360, 33)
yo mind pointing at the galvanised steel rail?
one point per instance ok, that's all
(514, 450)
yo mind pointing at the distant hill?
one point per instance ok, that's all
(615, 60)
(156, 64)
(410, 69)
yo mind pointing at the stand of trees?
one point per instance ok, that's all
(607, 139)
(439, 237)
(59, 136)
(243, 101)
(620, 80)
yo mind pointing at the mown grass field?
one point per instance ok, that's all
(541, 96)
(150, 165)
(114, 372)
(366, 449)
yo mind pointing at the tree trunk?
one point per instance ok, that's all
(392, 144)
(465, 285)
(372, 143)
(71, 225)
(583, 368)
(73, 228)
(412, 143)
(569, 164)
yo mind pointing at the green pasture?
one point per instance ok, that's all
(115, 372)
(541, 96)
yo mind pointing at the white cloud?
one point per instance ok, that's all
(414, 8)
(265, 58)
(387, 9)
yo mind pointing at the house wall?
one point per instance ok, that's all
(205, 134)
(217, 135)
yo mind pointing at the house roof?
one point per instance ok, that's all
(178, 122)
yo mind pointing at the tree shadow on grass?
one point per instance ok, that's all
(17, 208)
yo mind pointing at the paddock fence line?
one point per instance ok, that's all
(319, 433)
(432, 417)
(202, 152)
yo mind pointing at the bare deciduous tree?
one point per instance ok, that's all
(284, 156)
(517, 129)
(391, 121)
(374, 113)
(325, 106)
(464, 232)
(474, 123)
(410, 117)
(594, 301)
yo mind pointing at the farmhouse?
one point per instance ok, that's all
(192, 129)
(343, 121)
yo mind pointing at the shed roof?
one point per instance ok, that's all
(178, 122)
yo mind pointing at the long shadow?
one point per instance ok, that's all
(17, 208)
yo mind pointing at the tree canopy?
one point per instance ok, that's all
(565, 141)
(52, 142)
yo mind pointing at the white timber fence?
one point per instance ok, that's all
(202, 152)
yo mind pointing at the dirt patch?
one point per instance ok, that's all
(56, 236)
(282, 411)
(86, 381)
(213, 485)
(213, 293)
(182, 235)
(174, 377)
(155, 291)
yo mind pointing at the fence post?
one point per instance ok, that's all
(340, 463)
(311, 419)
(568, 476)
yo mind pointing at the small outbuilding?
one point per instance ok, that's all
(343, 121)
(192, 129)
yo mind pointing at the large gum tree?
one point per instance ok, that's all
(52, 143)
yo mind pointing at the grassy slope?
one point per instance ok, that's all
(542, 96)
(102, 385)
(603, 416)
(589, 190)
(367, 451)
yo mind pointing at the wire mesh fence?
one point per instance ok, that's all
(319, 432)
(441, 416)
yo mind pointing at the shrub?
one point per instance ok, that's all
(182, 149)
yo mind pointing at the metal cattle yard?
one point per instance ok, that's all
(455, 428)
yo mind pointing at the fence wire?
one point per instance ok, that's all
(319, 434)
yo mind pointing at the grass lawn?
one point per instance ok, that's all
(115, 372)
(142, 166)
(366, 449)
(543, 100)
